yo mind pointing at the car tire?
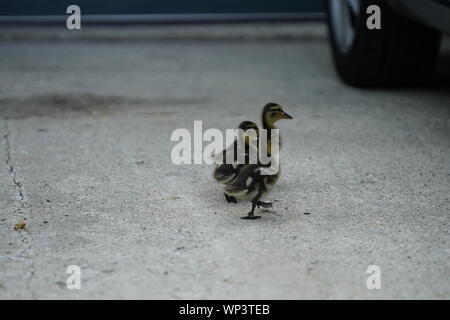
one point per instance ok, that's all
(402, 52)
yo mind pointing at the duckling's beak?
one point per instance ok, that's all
(286, 116)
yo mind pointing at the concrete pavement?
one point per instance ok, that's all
(85, 162)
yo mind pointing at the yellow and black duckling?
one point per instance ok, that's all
(272, 112)
(225, 173)
(250, 184)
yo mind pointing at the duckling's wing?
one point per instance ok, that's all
(246, 181)
(246, 171)
(225, 172)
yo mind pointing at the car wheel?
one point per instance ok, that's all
(401, 52)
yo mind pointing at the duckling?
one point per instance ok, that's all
(225, 172)
(272, 112)
(250, 184)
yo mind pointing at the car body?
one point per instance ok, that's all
(433, 13)
(402, 50)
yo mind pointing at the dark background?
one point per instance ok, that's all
(58, 7)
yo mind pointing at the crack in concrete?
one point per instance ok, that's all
(25, 238)
(12, 171)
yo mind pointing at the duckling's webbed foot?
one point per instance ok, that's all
(230, 198)
(250, 215)
(264, 204)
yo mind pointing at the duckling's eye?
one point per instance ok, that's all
(273, 114)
